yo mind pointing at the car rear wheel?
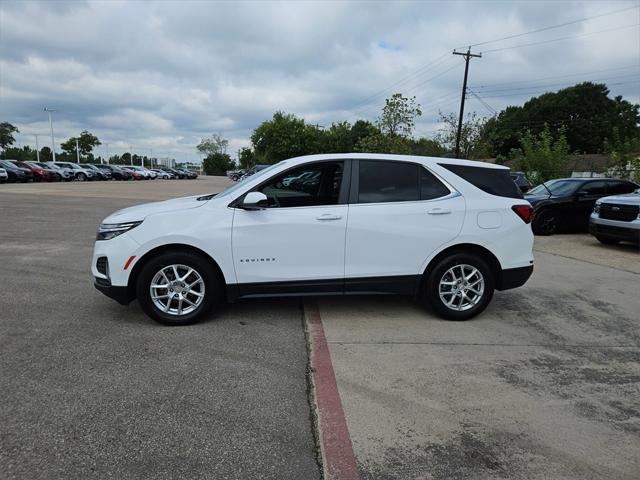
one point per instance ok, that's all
(178, 288)
(81, 177)
(459, 287)
(544, 223)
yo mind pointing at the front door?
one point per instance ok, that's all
(298, 240)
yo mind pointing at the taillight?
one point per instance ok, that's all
(525, 212)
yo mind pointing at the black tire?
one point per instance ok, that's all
(81, 177)
(607, 241)
(544, 223)
(431, 287)
(203, 267)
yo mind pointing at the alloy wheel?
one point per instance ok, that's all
(177, 289)
(461, 287)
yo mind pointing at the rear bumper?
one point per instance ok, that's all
(119, 294)
(514, 277)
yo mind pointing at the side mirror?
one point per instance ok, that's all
(254, 201)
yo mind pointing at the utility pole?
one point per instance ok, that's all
(77, 151)
(467, 56)
(107, 147)
(37, 147)
(131, 155)
(53, 145)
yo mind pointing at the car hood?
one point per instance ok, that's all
(627, 199)
(140, 212)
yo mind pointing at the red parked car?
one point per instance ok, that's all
(135, 174)
(39, 174)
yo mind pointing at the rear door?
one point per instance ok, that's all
(399, 214)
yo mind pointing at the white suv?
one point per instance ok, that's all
(447, 231)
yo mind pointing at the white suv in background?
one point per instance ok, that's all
(447, 231)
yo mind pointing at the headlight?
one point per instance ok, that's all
(107, 231)
(596, 208)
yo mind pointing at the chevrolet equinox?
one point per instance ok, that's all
(447, 231)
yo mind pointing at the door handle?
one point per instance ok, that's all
(328, 216)
(438, 211)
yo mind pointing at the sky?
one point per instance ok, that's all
(157, 76)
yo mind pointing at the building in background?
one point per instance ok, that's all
(164, 162)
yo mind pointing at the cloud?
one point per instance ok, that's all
(161, 74)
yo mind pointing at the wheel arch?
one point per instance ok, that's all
(468, 248)
(154, 252)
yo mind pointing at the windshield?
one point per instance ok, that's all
(231, 189)
(556, 187)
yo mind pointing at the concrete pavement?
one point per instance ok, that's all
(545, 384)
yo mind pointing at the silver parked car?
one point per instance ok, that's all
(617, 219)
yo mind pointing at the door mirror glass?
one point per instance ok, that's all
(254, 201)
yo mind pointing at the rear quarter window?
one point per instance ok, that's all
(490, 180)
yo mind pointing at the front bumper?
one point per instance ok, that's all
(122, 295)
(615, 230)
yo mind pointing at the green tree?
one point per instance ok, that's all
(86, 142)
(473, 141)
(625, 154)
(6, 134)
(216, 143)
(284, 136)
(398, 116)
(217, 164)
(246, 158)
(45, 154)
(584, 112)
(542, 156)
(427, 147)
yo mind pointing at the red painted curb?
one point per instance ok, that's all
(335, 441)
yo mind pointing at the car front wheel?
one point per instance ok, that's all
(178, 288)
(459, 287)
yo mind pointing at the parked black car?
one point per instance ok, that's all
(522, 181)
(178, 173)
(117, 173)
(187, 173)
(565, 204)
(15, 173)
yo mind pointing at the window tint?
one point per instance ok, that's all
(430, 186)
(594, 188)
(388, 182)
(491, 180)
(311, 185)
(617, 188)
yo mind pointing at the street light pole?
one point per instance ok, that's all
(37, 147)
(77, 152)
(53, 145)
(107, 146)
(131, 155)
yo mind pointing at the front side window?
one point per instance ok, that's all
(307, 186)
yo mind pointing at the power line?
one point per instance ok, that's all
(518, 82)
(558, 84)
(545, 91)
(551, 27)
(369, 107)
(481, 100)
(425, 68)
(562, 38)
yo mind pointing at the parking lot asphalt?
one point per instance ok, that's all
(91, 389)
(544, 384)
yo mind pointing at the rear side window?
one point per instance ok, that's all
(430, 186)
(381, 181)
(616, 188)
(490, 180)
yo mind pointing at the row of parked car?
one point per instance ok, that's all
(30, 171)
